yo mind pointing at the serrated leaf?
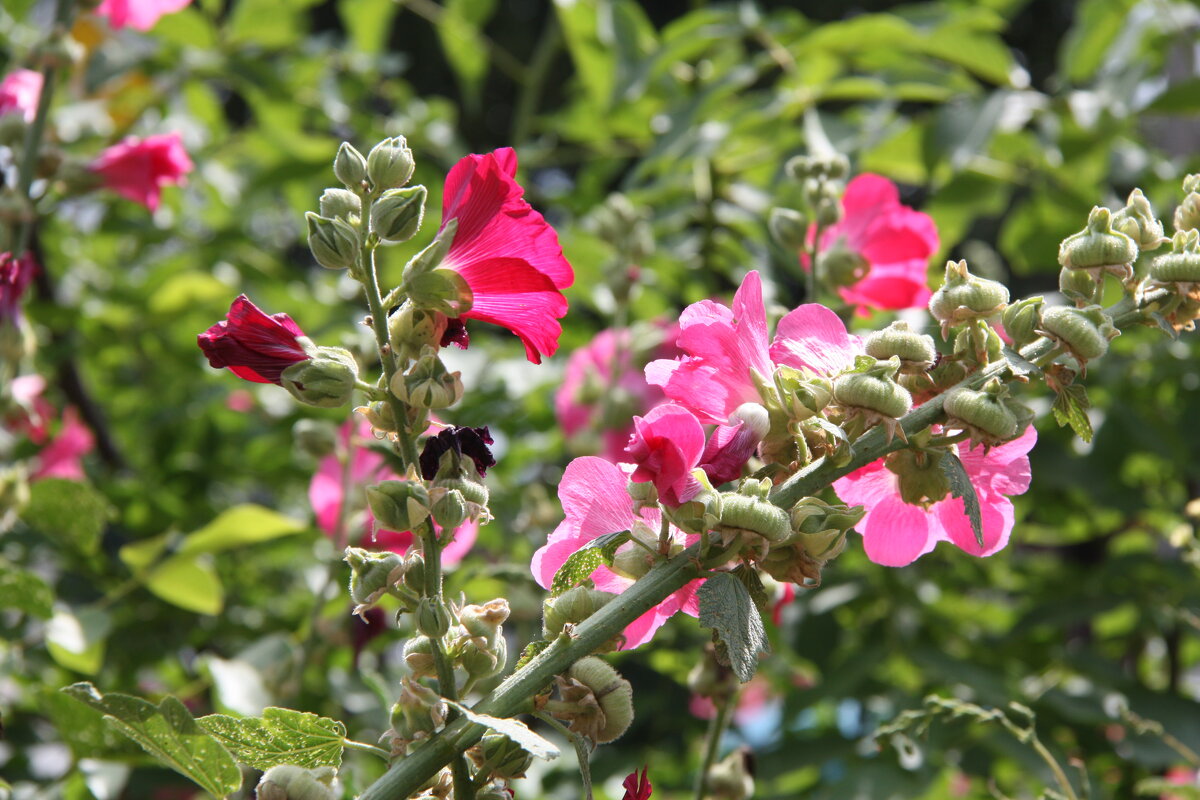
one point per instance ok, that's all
(170, 734)
(69, 512)
(1019, 365)
(24, 591)
(583, 562)
(727, 608)
(280, 736)
(754, 585)
(608, 544)
(83, 728)
(1070, 408)
(961, 486)
(512, 728)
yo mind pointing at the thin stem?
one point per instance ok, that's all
(536, 75)
(814, 250)
(367, 748)
(712, 742)
(1059, 775)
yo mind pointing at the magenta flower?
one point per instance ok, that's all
(896, 241)
(506, 252)
(637, 787)
(139, 14)
(595, 498)
(896, 533)
(15, 277)
(665, 447)
(138, 169)
(63, 457)
(255, 346)
(19, 93)
(365, 466)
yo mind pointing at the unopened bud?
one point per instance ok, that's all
(326, 380)
(840, 265)
(1022, 319)
(287, 782)
(1080, 286)
(433, 617)
(441, 290)
(484, 620)
(1084, 332)
(788, 228)
(372, 574)
(604, 697)
(315, 437)
(418, 655)
(921, 480)
(872, 386)
(427, 383)
(750, 511)
(916, 351)
(398, 505)
(732, 778)
(964, 297)
(571, 608)
(396, 216)
(990, 414)
(380, 416)
(418, 711)
(390, 163)
(1182, 264)
(504, 757)
(334, 242)
(340, 203)
(1098, 247)
(1137, 221)
(411, 329)
(349, 166)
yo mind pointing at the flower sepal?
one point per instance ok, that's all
(326, 380)
(399, 505)
(333, 241)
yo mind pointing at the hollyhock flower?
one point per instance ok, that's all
(255, 346)
(15, 277)
(139, 14)
(896, 533)
(595, 498)
(506, 252)
(665, 447)
(637, 787)
(1180, 776)
(138, 169)
(471, 443)
(326, 493)
(62, 458)
(895, 241)
(33, 412)
(19, 93)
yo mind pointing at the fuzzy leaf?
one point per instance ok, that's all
(512, 728)
(583, 562)
(1070, 408)
(727, 608)
(24, 591)
(170, 734)
(281, 736)
(754, 585)
(961, 486)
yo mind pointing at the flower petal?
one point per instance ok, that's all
(815, 338)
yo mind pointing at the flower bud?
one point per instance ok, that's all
(349, 166)
(372, 574)
(396, 216)
(411, 329)
(788, 228)
(732, 778)
(398, 505)
(709, 678)
(821, 528)
(485, 620)
(315, 437)
(472, 494)
(433, 617)
(916, 351)
(872, 386)
(418, 712)
(571, 608)
(287, 782)
(505, 758)
(604, 700)
(990, 414)
(390, 163)
(1099, 249)
(977, 344)
(1022, 319)
(427, 383)
(480, 658)
(644, 495)
(380, 415)
(1080, 286)
(749, 511)
(1182, 264)
(340, 203)
(919, 475)
(450, 510)
(964, 297)
(800, 395)
(1137, 221)
(334, 242)
(1084, 332)
(441, 290)
(841, 266)
(326, 380)
(1187, 215)
(418, 655)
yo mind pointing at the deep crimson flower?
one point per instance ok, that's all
(138, 169)
(506, 252)
(19, 93)
(471, 443)
(637, 787)
(139, 14)
(15, 276)
(255, 346)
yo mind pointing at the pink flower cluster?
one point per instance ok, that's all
(138, 169)
(61, 455)
(19, 93)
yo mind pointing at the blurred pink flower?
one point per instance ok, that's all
(751, 700)
(326, 493)
(19, 93)
(506, 252)
(595, 498)
(896, 241)
(33, 412)
(62, 458)
(138, 169)
(255, 346)
(139, 14)
(637, 787)
(896, 533)
(1180, 776)
(15, 277)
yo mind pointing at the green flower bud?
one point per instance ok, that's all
(750, 511)
(872, 386)
(1084, 332)
(398, 505)
(287, 782)
(1137, 221)
(481, 659)
(732, 778)
(788, 228)
(829, 211)
(916, 351)
(841, 266)
(418, 712)
(396, 216)
(326, 380)
(977, 344)
(450, 510)
(798, 394)
(1022, 319)
(441, 290)
(418, 655)
(571, 608)
(603, 698)
(349, 166)
(433, 617)
(411, 329)
(709, 678)
(964, 297)
(485, 620)
(921, 479)
(1182, 264)
(427, 383)
(334, 242)
(315, 437)
(644, 495)
(505, 758)
(372, 574)
(340, 203)
(390, 163)
(380, 415)
(1099, 248)
(1187, 215)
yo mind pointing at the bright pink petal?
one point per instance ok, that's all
(666, 447)
(894, 532)
(62, 458)
(815, 338)
(325, 494)
(139, 14)
(888, 292)
(19, 93)
(513, 294)
(1005, 468)
(996, 514)
(138, 169)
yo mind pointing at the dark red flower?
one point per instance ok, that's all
(506, 252)
(469, 442)
(15, 275)
(255, 346)
(637, 787)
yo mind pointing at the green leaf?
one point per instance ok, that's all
(754, 585)
(69, 512)
(170, 734)
(1070, 408)
(1160, 787)
(727, 608)
(24, 591)
(512, 728)
(280, 736)
(83, 728)
(240, 526)
(961, 486)
(76, 639)
(583, 562)
(188, 582)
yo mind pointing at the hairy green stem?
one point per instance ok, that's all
(712, 741)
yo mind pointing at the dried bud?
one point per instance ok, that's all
(349, 166)
(1084, 332)
(390, 163)
(287, 782)
(398, 505)
(326, 380)
(418, 712)
(1099, 249)
(964, 297)
(1022, 319)
(396, 216)
(571, 608)
(916, 351)
(340, 203)
(485, 620)
(603, 700)
(334, 242)
(1137, 221)
(788, 228)
(372, 574)
(427, 383)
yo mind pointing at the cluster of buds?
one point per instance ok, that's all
(822, 182)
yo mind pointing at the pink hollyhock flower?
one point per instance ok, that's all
(595, 498)
(138, 169)
(255, 346)
(896, 533)
(33, 413)
(751, 701)
(665, 447)
(637, 787)
(366, 466)
(15, 277)
(139, 14)
(1180, 776)
(19, 93)
(62, 458)
(506, 252)
(896, 241)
